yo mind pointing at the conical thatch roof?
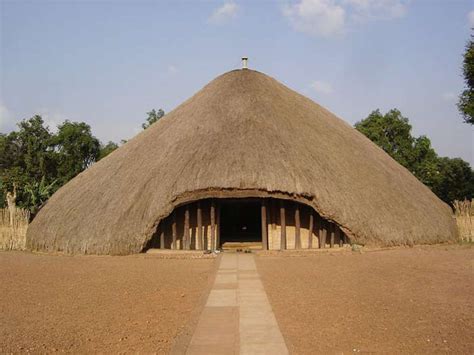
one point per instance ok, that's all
(244, 134)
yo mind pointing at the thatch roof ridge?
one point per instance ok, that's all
(243, 133)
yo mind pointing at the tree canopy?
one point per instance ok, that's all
(75, 148)
(39, 161)
(153, 116)
(107, 149)
(449, 179)
(466, 99)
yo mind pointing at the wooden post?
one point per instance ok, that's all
(310, 230)
(339, 237)
(273, 213)
(297, 227)
(186, 239)
(162, 238)
(263, 210)
(269, 225)
(324, 232)
(282, 225)
(218, 225)
(199, 226)
(317, 228)
(331, 229)
(173, 231)
(213, 225)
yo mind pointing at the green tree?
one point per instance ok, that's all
(30, 148)
(466, 99)
(76, 149)
(3, 194)
(424, 161)
(107, 149)
(391, 132)
(26, 155)
(456, 180)
(38, 193)
(8, 152)
(40, 162)
(449, 179)
(153, 116)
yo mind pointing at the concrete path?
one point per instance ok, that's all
(237, 318)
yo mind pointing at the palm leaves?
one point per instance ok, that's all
(39, 192)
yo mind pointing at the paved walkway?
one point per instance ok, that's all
(237, 318)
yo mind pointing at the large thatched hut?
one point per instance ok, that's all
(244, 159)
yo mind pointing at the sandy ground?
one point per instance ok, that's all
(101, 304)
(418, 300)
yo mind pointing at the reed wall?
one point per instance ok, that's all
(464, 213)
(13, 227)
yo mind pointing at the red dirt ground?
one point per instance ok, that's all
(416, 300)
(96, 304)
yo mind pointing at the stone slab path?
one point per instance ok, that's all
(237, 318)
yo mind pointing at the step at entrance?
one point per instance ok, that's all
(242, 245)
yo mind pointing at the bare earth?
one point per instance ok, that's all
(417, 300)
(101, 304)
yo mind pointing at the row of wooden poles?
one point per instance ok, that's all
(316, 222)
(323, 227)
(186, 238)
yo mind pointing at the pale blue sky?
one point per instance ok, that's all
(109, 62)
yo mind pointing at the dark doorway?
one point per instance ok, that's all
(240, 221)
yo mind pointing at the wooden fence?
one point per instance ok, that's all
(464, 212)
(13, 229)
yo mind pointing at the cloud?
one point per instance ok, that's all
(316, 17)
(5, 116)
(172, 69)
(470, 18)
(322, 87)
(449, 96)
(224, 13)
(369, 10)
(52, 118)
(327, 18)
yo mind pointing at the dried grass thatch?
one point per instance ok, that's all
(246, 135)
(464, 212)
(13, 228)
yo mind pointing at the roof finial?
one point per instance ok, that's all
(245, 62)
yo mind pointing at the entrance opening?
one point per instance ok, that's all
(246, 223)
(240, 221)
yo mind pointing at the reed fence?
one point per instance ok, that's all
(13, 228)
(464, 213)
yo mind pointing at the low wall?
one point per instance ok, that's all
(13, 227)
(464, 213)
